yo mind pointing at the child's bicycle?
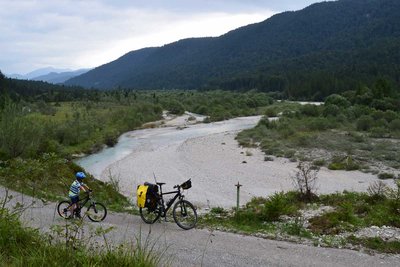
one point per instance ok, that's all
(184, 212)
(96, 211)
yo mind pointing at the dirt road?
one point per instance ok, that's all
(200, 247)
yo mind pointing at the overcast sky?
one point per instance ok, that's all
(87, 33)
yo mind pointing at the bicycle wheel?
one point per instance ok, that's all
(96, 212)
(63, 209)
(150, 216)
(185, 214)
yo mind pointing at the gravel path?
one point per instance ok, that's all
(200, 247)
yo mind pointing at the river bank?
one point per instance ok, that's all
(212, 158)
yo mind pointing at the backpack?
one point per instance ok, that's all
(147, 196)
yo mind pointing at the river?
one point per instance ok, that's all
(129, 142)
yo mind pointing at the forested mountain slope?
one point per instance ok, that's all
(327, 47)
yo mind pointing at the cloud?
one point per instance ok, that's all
(87, 33)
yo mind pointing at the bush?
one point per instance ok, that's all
(268, 124)
(305, 180)
(268, 158)
(319, 124)
(337, 100)
(378, 132)
(271, 112)
(346, 163)
(302, 139)
(395, 125)
(310, 110)
(386, 175)
(331, 110)
(390, 115)
(279, 204)
(378, 114)
(381, 123)
(218, 210)
(285, 129)
(335, 222)
(360, 110)
(378, 189)
(175, 107)
(319, 162)
(364, 123)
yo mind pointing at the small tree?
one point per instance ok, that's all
(378, 189)
(305, 180)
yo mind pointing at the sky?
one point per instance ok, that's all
(74, 34)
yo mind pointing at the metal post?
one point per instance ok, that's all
(237, 195)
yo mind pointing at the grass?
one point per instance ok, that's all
(330, 141)
(279, 216)
(259, 215)
(376, 244)
(21, 246)
(49, 177)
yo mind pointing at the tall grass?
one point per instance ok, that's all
(22, 246)
(49, 177)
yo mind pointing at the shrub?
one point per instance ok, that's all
(218, 210)
(285, 129)
(268, 158)
(378, 114)
(331, 110)
(270, 112)
(381, 123)
(319, 124)
(302, 139)
(279, 204)
(377, 189)
(385, 175)
(395, 125)
(364, 123)
(319, 162)
(335, 222)
(268, 124)
(310, 110)
(343, 163)
(390, 115)
(175, 107)
(305, 180)
(356, 137)
(378, 132)
(337, 100)
(360, 110)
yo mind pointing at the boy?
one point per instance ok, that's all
(74, 190)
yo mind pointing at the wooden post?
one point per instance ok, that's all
(237, 195)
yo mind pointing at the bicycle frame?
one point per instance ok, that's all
(85, 200)
(169, 204)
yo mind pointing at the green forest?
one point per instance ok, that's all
(329, 47)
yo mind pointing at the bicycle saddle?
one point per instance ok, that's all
(160, 184)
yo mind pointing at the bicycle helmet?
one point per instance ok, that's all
(80, 175)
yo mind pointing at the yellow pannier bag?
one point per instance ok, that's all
(141, 195)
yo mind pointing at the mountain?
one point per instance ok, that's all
(327, 47)
(36, 73)
(59, 77)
